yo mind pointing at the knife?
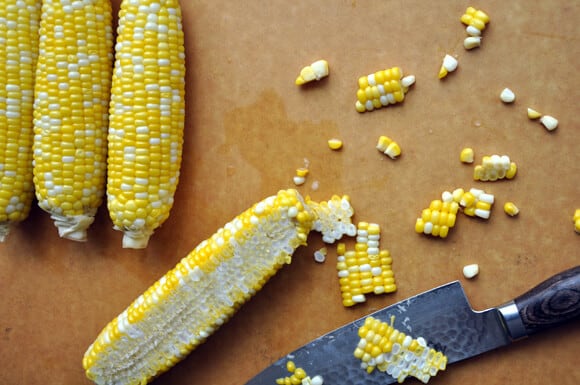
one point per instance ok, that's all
(444, 317)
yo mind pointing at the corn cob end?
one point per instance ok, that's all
(73, 227)
(135, 239)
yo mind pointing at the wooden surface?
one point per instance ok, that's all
(248, 128)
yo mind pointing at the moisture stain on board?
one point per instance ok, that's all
(284, 142)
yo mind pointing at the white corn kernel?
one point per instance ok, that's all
(549, 122)
(408, 81)
(507, 96)
(470, 271)
(472, 31)
(472, 42)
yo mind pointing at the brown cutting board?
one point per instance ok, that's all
(248, 128)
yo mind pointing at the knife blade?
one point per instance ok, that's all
(444, 317)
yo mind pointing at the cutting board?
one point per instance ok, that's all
(249, 127)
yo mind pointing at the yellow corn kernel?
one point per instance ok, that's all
(533, 114)
(147, 117)
(71, 105)
(382, 88)
(245, 253)
(511, 172)
(576, 220)
(511, 209)
(402, 354)
(466, 155)
(18, 56)
(335, 144)
(315, 71)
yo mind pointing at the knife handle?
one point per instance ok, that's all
(552, 302)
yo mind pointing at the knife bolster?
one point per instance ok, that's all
(512, 321)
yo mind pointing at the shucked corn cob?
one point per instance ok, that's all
(71, 111)
(191, 301)
(383, 347)
(147, 117)
(19, 21)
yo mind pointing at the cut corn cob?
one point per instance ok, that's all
(382, 88)
(147, 118)
(191, 301)
(72, 88)
(315, 71)
(366, 269)
(18, 54)
(494, 168)
(389, 147)
(477, 203)
(439, 217)
(389, 350)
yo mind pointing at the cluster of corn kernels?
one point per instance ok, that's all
(389, 350)
(576, 220)
(440, 216)
(298, 377)
(366, 269)
(382, 88)
(476, 20)
(495, 167)
(314, 71)
(388, 147)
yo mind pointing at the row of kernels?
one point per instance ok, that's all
(576, 220)
(439, 217)
(392, 351)
(298, 376)
(382, 88)
(389, 147)
(495, 167)
(478, 203)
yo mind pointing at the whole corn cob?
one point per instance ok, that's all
(71, 111)
(19, 21)
(205, 288)
(147, 118)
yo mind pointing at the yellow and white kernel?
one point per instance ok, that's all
(449, 64)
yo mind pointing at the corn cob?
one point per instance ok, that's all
(147, 118)
(71, 111)
(389, 350)
(18, 55)
(191, 301)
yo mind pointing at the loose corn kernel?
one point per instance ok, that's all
(507, 96)
(576, 220)
(449, 65)
(300, 176)
(382, 88)
(466, 155)
(549, 122)
(511, 209)
(366, 269)
(245, 253)
(315, 71)
(298, 376)
(472, 42)
(533, 114)
(18, 55)
(494, 168)
(400, 355)
(470, 271)
(335, 144)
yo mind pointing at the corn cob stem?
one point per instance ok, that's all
(72, 89)
(18, 55)
(205, 288)
(147, 118)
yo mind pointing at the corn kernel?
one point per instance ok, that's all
(511, 209)
(335, 144)
(576, 220)
(470, 271)
(507, 96)
(466, 155)
(533, 114)
(549, 122)
(449, 65)
(315, 71)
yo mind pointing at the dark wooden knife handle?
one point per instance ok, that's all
(552, 302)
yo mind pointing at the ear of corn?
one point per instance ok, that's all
(71, 111)
(389, 350)
(147, 118)
(205, 288)
(18, 54)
